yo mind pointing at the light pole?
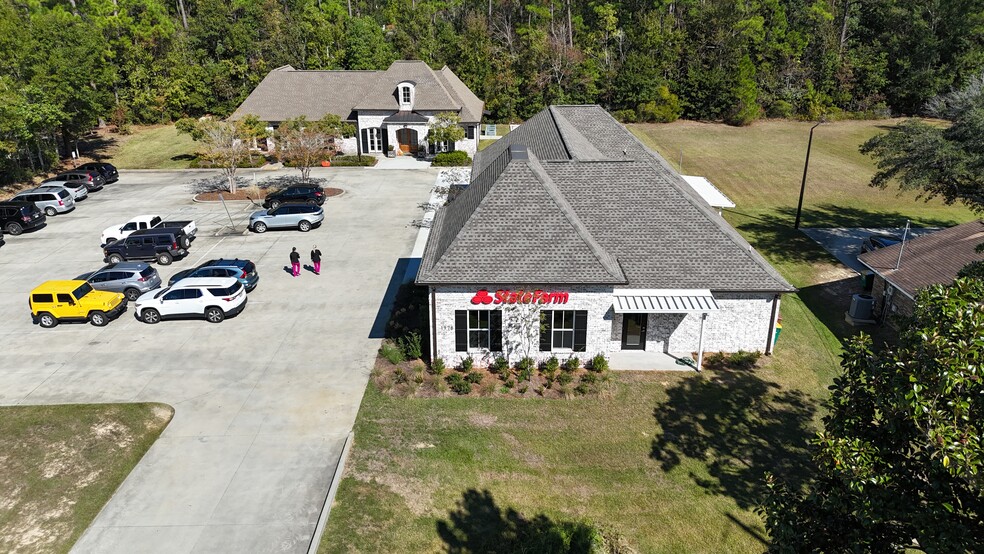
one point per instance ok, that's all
(799, 207)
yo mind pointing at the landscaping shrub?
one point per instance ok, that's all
(524, 368)
(400, 376)
(589, 378)
(599, 363)
(391, 353)
(458, 383)
(410, 345)
(353, 161)
(551, 365)
(473, 377)
(743, 360)
(437, 366)
(565, 378)
(500, 365)
(452, 159)
(573, 364)
(582, 389)
(467, 364)
(509, 384)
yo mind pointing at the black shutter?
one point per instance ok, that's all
(580, 330)
(546, 323)
(383, 133)
(461, 330)
(365, 140)
(495, 331)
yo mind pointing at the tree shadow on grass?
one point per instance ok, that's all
(480, 525)
(740, 426)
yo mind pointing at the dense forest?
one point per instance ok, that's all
(67, 64)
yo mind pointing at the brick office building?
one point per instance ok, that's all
(573, 238)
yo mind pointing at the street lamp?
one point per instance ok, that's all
(799, 207)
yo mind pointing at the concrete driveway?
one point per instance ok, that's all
(844, 243)
(263, 401)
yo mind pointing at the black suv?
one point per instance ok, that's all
(108, 171)
(162, 245)
(93, 180)
(17, 216)
(312, 194)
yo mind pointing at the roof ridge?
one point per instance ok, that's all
(439, 77)
(607, 260)
(563, 139)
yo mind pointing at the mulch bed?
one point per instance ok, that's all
(242, 194)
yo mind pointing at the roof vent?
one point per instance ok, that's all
(518, 152)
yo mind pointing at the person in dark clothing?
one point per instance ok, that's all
(316, 259)
(295, 261)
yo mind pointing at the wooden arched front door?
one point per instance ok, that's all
(407, 138)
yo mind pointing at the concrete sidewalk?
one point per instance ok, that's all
(263, 401)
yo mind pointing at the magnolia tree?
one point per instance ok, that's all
(224, 144)
(446, 127)
(304, 144)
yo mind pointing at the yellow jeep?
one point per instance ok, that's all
(55, 301)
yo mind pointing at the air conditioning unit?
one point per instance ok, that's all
(862, 307)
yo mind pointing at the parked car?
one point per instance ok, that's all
(92, 180)
(53, 202)
(215, 298)
(243, 270)
(162, 245)
(53, 302)
(2, 242)
(17, 216)
(107, 170)
(309, 193)
(75, 188)
(879, 240)
(302, 217)
(114, 233)
(130, 278)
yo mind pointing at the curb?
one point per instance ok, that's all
(330, 498)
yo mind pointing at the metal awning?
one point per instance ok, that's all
(406, 117)
(664, 301)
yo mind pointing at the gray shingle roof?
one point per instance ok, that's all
(287, 93)
(629, 201)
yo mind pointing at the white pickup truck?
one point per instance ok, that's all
(120, 232)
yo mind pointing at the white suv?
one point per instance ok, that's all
(214, 298)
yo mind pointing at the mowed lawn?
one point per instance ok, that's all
(61, 464)
(159, 147)
(672, 462)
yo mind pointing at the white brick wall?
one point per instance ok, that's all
(369, 119)
(742, 323)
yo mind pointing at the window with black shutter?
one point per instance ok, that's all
(470, 132)
(365, 140)
(546, 317)
(580, 330)
(495, 331)
(563, 330)
(477, 330)
(461, 330)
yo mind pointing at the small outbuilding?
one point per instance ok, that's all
(574, 239)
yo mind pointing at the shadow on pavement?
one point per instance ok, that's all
(404, 272)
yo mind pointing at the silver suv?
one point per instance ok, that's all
(50, 199)
(130, 278)
(287, 216)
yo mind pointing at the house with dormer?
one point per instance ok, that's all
(393, 107)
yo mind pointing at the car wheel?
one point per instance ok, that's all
(14, 229)
(274, 205)
(150, 315)
(115, 258)
(110, 241)
(47, 320)
(214, 314)
(98, 318)
(132, 294)
(260, 227)
(49, 211)
(304, 226)
(312, 201)
(164, 258)
(185, 242)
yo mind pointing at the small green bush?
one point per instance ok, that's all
(526, 363)
(625, 116)
(410, 345)
(743, 359)
(565, 378)
(400, 376)
(599, 363)
(353, 161)
(522, 389)
(473, 377)
(589, 378)
(509, 384)
(391, 353)
(551, 365)
(458, 383)
(467, 364)
(452, 159)
(437, 366)
(500, 366)
(582, 389)
(573, 364)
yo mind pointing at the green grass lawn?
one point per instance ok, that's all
(672, 462)
(61, 464)
(154, 148)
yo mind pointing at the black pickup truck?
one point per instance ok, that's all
(162, 245)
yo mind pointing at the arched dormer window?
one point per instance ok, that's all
(405, 94)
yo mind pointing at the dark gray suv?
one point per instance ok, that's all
(130, 278)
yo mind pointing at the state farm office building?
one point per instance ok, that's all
(573, 238)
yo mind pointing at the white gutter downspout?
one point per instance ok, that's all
(700, 342)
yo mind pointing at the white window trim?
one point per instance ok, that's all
(554, 328)
(487, 330)
(375, 136)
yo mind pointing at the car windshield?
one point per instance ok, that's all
(162, 292)
(83, 290)
(147, 272)
(226, 291)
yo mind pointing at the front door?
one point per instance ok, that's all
(634, 331)
(407, 139)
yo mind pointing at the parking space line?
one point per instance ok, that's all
(207, 251)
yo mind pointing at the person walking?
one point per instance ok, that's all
(295, 262)
(316, 259)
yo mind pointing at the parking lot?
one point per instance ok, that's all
(263, 401)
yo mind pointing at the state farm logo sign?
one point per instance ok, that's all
(520, 297)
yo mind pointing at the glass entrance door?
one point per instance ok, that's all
(634, 331)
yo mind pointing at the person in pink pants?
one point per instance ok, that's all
(316, 259)
(295, 262)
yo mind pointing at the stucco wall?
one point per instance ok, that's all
(742, 323)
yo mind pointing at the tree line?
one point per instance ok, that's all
(67, 64)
